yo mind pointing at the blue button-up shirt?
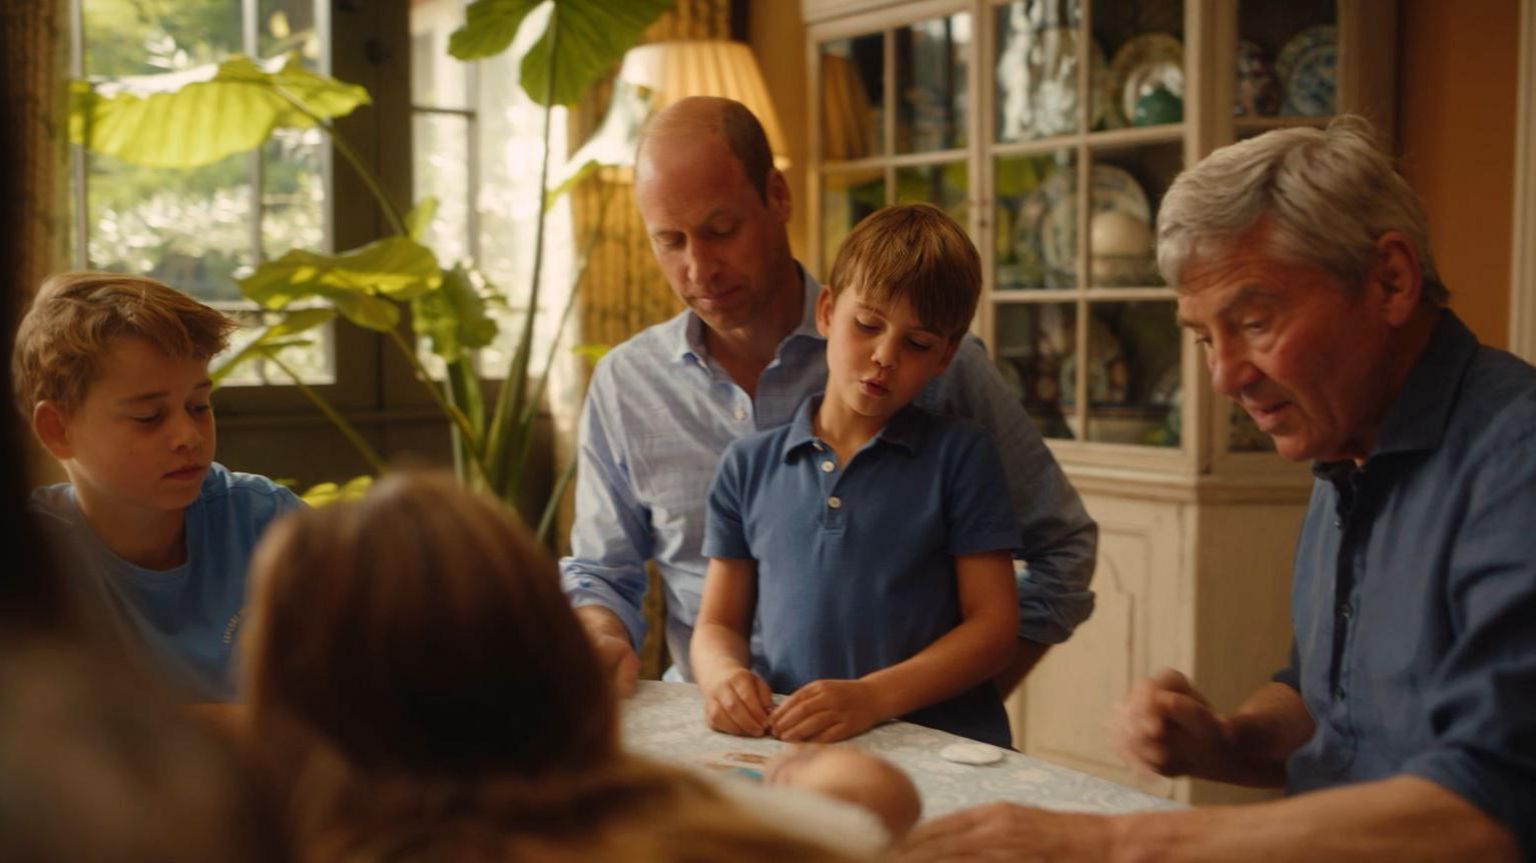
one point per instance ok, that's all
(1414, 593)
(659, 412)
(855, 562)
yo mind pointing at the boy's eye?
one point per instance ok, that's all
(866, 325)
(1255, 326)
(919, 346)
(150, 419)
(199, 410)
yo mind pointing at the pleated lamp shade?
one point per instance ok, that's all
(705, 67)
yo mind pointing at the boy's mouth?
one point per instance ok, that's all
(187, 472)
(873, 387)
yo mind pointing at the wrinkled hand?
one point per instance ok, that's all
(739, 704)
(826, 711)
(618, 661)
(1008, 832)
(1167, 727)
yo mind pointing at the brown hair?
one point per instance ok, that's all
(74, 318)
(916, 252)
(420, 690)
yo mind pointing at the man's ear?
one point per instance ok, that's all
(777, 191)
(51, 426)
(824, 304)
(1396, 270)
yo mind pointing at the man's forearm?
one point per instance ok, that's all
(1400, 819)
(598, 620)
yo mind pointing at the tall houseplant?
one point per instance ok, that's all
(198, 116)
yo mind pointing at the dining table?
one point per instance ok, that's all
(665, 721)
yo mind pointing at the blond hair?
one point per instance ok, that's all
(74, 318)
(420, 690)
(916, 252)
(1327, 194)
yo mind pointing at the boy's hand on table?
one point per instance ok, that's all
(739, 703)
(826, 711)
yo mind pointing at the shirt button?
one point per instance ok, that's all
(826, 467)
(1338, 693)
(741, 414)
(1339, 522)
(1346, 611)
(834, 502)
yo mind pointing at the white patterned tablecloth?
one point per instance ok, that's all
(666, 721)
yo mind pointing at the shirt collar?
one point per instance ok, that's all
(1417, 419)
(687, 329)
(904, 430)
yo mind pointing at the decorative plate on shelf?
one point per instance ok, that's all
(1048, 218)
(1307, 68)
(1037, 84)
(1258, 88)
(1143, 63)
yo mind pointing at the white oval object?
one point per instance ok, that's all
(971, 753)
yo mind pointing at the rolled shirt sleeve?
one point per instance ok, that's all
(611, 536)
(1482, 698)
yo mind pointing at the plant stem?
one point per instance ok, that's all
(454, 415)
(396, 221)
(352, 435)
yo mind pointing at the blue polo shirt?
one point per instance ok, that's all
(1414, 591)
(855, 562)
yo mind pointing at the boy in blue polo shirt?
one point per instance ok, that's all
(871, 541)
(112, 371)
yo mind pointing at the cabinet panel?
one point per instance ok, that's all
(1138, 626)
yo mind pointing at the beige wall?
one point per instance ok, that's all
(1457, 83)
(777, 35)
(1456, 134)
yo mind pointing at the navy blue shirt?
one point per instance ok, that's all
(1414, 592)
(855, 562)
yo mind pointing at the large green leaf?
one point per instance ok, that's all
(360, 284)
(198, 116)
(594, 34)
(277, 336)
(453, 318)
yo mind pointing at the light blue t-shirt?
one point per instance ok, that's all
(856, 561)
(188, 616)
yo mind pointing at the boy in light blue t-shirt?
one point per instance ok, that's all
(112, 372)
(869, 540)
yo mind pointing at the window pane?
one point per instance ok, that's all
(1036, 355)
(293, 192)
(440, 169)
(1036, 239)
(1133, 374)
(1037, 63)
(131, 37)
(285, 26)
(931, 62)
(853, 98)
(944, 186)
(438, 80)
(845, 200)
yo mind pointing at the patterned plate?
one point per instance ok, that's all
(1312, 85)
(1306, 69)
(1148, 49)
(1055, 212)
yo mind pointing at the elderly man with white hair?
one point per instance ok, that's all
(1404, 726)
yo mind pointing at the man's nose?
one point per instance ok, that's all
(1231, 370)
(702, 264)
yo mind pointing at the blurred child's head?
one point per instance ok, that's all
(422, 631)
(112, 370)
(902, 293)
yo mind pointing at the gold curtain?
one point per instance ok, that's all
(33, 42)
(621, 292)
(32, 48)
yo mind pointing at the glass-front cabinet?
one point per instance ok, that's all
(1052, 130)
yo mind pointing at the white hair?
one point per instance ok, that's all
(1328, 195)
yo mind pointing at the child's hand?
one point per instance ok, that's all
(739, 703)
(825, 711)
